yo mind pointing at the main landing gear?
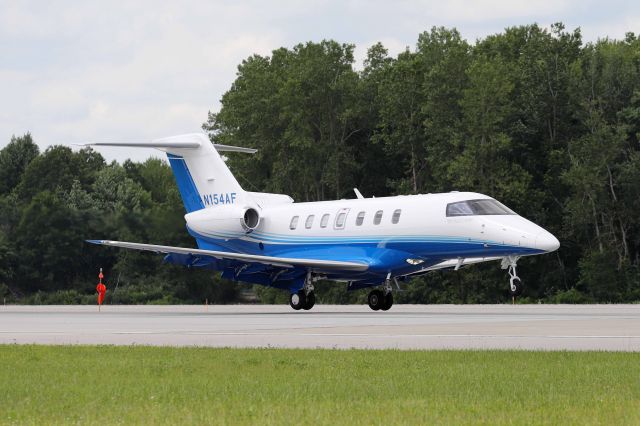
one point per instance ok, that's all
(300, 300)
(381, 300)
(515, 283)
(305, 298)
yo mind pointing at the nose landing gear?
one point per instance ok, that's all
(515, 283)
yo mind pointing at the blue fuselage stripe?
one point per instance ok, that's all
(365, 249)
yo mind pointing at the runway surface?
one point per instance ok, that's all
(547, 327)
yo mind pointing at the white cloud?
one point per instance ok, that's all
(612, 28)
(495, 10)
(79, 71)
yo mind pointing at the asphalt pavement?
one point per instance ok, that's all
(546, 327)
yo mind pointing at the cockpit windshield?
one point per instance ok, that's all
(477, 208)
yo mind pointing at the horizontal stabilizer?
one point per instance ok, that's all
(148, 144)
(286, 262)
(231, 148)
(190, 141)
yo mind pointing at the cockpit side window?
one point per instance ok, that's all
(462, 208)
(478, 208)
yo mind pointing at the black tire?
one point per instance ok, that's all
(311, 300)
(517, 282)
(388, 302)
(297, 300)
(376, 300)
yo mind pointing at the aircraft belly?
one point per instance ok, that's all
(382, 255)
(365, 250)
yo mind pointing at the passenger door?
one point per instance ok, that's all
(341, 219)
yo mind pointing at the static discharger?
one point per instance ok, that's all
(101, 289)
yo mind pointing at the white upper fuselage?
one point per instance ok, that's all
(420, 229)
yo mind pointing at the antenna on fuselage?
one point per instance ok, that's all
(358, 194)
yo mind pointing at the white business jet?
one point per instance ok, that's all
(371, 243)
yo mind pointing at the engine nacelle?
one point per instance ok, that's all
(224, 221)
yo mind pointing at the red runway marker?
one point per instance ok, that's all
(101, 289)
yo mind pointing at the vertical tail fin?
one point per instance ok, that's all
(203, 178)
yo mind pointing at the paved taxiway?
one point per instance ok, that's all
(548, 327)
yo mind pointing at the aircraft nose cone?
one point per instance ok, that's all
(547, 242)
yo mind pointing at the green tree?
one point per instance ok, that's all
(56, 170)
(297, 107)
(50, 240)
(446, 58)
(14, 159)
(400, 128)
(485, 160)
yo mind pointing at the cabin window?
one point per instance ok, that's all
(324, 221)
(360, 218)
(294, 223)
(309, 222)
(396, 216)
(377, 218)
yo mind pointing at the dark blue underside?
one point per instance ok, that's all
(382, 258)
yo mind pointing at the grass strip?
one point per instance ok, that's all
(163, 385)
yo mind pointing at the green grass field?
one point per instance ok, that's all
(107, 384)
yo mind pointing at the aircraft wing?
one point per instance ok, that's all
(455, 263)
(286, 262)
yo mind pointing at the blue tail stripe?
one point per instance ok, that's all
(186, 186)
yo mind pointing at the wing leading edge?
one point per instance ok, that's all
(286, 262)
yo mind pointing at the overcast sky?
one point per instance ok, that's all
(76, 71)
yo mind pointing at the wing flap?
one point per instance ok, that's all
(285, 262)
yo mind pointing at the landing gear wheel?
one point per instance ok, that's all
(297, 300)
(311, 300)
(376, 300)
(516, 288)
(388, 302)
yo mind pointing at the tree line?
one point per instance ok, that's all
(51, 202)
(534, 117)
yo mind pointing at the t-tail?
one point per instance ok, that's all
(203, 178)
